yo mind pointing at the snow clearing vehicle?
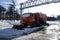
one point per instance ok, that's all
(32, 20)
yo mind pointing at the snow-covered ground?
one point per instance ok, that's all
(51, 32)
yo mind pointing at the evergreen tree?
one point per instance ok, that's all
(12, 12)
(2, 12)
(2, 9)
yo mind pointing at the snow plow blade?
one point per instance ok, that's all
(19, 27)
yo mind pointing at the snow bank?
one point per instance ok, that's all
(53, 31)
(53, 22)
(14, 22)
(4, 24)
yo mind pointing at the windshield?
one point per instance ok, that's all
(26, 15)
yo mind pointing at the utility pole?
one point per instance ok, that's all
(21, 10)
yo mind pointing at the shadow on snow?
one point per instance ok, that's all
(10, 33)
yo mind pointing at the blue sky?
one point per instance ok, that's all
(6, 2)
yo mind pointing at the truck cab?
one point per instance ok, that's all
(27, 19)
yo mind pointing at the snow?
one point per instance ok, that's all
(6, 30)
(14, 22)
(52, 32)
(4, 24)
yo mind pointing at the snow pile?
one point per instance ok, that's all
(53, 31)
(14, 22)
(52, 28)
(4, 24)
(53, 22)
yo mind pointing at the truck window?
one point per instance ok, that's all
(26, 15)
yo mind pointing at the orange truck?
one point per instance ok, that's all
(32, 20)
